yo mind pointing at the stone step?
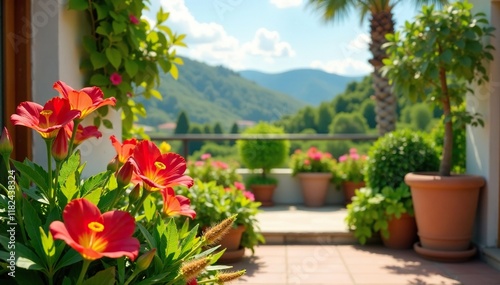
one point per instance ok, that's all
(298, 224)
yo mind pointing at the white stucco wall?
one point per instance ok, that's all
(483, 156)
(57, 36)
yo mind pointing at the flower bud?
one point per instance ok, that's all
(6, 146)
(124, 174)
(113, 165)
(215, 233)
(144, 260)
(60, 146)
(191, 269)
(224, 277)
(135, 194)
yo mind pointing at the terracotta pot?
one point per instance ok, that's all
(445, 208)
(402, 232)
(349, 187)
(264, 193)
(314, 188)
(231, 242)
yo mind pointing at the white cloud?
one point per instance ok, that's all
(268, 43)
(209, 42)
(283, 4)
(346, 66)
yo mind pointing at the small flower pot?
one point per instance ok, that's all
(314, 187)
(231, 242)
(349, 189)
(263, 193)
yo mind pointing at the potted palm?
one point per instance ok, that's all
(314, 170)
(262, 156)
(436, 58)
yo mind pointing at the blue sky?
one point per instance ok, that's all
(272, 35)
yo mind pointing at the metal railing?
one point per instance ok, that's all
(186, 138)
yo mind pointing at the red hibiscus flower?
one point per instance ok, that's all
(82, 133)
(125, 150)
(95, 235)
(86, 100)
(46, 120)
(158, 171)
(174, 205)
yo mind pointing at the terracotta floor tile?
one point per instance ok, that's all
(401, 279)
(264, 278)
(316, 268)
(483, 279)
(321, 278)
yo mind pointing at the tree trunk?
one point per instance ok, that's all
(381, 23)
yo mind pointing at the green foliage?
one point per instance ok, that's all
(313, 160)
(182, 126)
(123, 54)
(371, 210)
(263, 154)
(348, 123)
(324, 118)
(213, 203)
(397, 153)
(209, 169)
(368, 111)
(435, 58)
(459, 156)
(260, 180)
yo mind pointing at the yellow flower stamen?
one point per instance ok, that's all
(46, 114)
(160, 165)
(96, 226)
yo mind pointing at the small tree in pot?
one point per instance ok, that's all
(263, 155)
(436, 58)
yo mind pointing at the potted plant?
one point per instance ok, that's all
(214, 202)
(436, 58)
(209, 169)
(314, 169)
(350, 173)
(391, 158)
(263, 155)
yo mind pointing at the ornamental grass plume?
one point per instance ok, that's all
(216, 233)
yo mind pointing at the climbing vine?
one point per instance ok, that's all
(125, 53)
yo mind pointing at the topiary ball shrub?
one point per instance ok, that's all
(396, 154)
(263, 154)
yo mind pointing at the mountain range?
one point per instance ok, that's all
(312, 86)
(210, 94)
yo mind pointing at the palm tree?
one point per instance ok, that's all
(381, 23)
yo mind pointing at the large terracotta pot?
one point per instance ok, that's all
(231, 242)
(349, 188)
(314, 188)
(402, 232)
(263, 193)
(445, 208)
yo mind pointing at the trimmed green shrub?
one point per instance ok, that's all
(397, 153)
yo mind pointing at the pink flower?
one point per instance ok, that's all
(199, 163)
(315, 155)
(307, 162)
(220, 164)
(343, 158)
(354, 156)
(249, 195)
(239, 186)
(133, 19)
(206, 156)
(115, 78)
(353, 151)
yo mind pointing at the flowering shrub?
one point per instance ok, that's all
(351, 166)
(313, 160)
(213, 203)
(207, 169)
(58, 227)
(124, 53)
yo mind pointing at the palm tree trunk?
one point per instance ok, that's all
(381, 23)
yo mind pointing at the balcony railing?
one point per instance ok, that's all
(186, 138)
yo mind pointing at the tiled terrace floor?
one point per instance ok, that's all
(322, 263)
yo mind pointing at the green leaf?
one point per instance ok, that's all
(98, 60)
(131, 68)
(69, 167)
(78, 5)
(89, 44)
(107, 123)
(164, 64)
(114, 56)
(149, 208)
(156, 94)
(38, 175)
(119, 27)
(26, 258)
(94, 182)
(172, 240)
(161, 16)
(103, 277)
(48, 246)
(149, 238)
(69, 258)
(174, 72)
(102, 12)
(94, 196)
(99, 80)
(32, 228)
